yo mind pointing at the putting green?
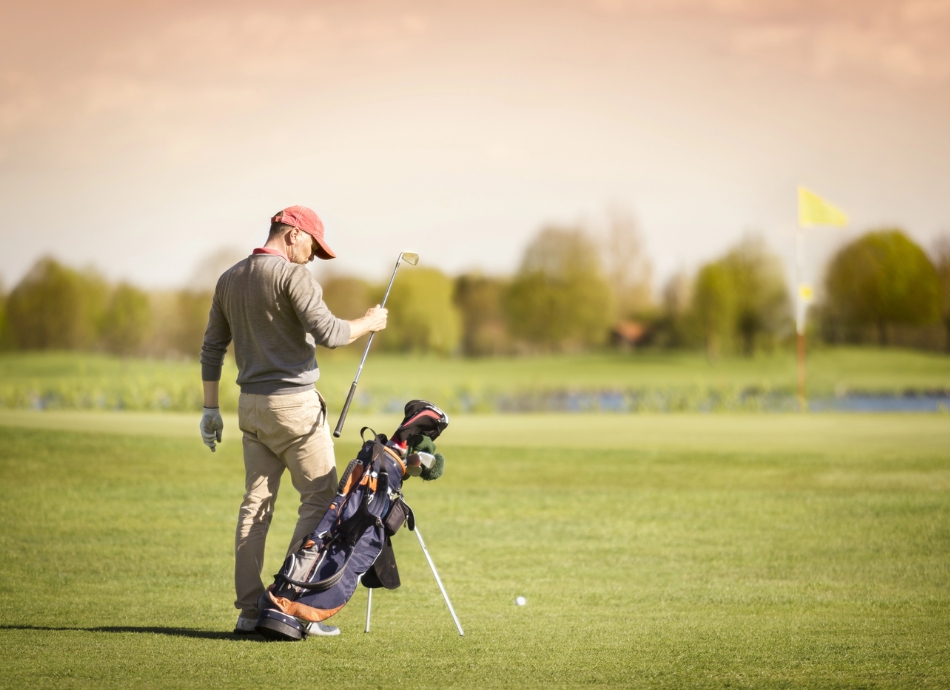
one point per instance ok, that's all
(677, 551)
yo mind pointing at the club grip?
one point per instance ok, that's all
(346, 408)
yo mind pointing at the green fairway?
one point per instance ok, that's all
(676, 551)
(680, 380)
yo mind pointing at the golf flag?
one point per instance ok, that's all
(813, 210)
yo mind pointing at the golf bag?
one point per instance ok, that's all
(352, 540)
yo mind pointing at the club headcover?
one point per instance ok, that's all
(421, 417)
(419, 443)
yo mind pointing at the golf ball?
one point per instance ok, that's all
(521, 601)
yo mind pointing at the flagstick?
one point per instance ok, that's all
(812, 211)
(801, 372)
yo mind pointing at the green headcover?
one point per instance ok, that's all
(424, 444)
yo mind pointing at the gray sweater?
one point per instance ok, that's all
(274, 311)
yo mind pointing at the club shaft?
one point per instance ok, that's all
(386, 296)
(369, 608)
(349, 398)
(439, 581)
(363, 360)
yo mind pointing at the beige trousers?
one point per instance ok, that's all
(280, 431)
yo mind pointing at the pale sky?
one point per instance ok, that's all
(139, 137)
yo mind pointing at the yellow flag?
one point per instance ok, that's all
(813, 210)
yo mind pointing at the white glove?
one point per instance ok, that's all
(211, 426)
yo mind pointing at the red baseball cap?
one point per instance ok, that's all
(303, 218)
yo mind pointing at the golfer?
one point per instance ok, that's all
(272, 308)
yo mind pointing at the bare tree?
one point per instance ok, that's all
(190, 306)
(629, 270)
(678, 294)
(211, 266)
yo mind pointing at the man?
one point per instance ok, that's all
(273, 309)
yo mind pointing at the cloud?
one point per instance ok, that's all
(184, 75)
(902, 41)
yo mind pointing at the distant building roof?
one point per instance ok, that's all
(629, 332)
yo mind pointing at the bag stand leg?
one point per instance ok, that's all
(437, 579)
(369, 607)
(369, 591)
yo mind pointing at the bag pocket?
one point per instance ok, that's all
(384, 572)
(399, 513)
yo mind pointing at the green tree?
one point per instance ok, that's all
(881, 279)
(942, 264)
(127, 320)
(347, 297)
(678, 324)
(422, 317)
(714, 302)
(762, 305)
(480, 302)
(55, 307)
(3, 318)
(191, 310)
(741, 298)
(560, 299)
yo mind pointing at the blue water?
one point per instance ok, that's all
(632, 402)
(883, 403)
(752, 401)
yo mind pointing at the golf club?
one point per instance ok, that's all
(412, 259)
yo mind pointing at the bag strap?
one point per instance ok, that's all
(323, 585)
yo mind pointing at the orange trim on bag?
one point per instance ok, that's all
(302, 611)
(398, 459)
(353, 479)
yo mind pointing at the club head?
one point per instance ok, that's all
(410, 258)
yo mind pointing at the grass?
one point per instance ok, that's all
(672, 551)
(663, 380)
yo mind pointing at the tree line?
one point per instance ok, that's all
(576, 289)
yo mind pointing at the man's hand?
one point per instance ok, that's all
(374, 320)
(211, 427)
